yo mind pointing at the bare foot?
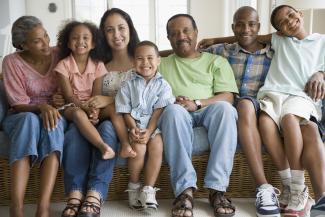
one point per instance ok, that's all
(107, 151)
(127, 151)
(72, 207)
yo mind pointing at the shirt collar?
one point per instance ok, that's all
(90, 67)
(135, 75)
(311, 37)
(265, 50)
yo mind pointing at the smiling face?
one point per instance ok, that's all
(246, 27)
(37, 42)
(182, 36)
(81, 40)
(289, 22)
(146, 61)
(117, 32)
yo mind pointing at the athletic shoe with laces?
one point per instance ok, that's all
(147, 198)
(297, 202)
(318, 210)
(134, 202)
(284, 197)
(267, 204)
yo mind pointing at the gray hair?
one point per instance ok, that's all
(21, 27)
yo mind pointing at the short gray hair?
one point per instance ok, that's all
(21, 27)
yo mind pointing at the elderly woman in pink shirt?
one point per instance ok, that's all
(34, 125)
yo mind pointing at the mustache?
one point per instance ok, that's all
(182, 41)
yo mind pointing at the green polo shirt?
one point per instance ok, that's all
(198, 78)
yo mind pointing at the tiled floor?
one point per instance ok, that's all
(244, 208)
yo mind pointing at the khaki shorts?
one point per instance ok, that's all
(277, 105)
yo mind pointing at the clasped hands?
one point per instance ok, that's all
(139, 136)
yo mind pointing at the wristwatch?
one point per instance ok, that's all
(198, 104)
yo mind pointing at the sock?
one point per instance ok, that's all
(265, 186)
(134, 186)
(298, 177)
(285, 176)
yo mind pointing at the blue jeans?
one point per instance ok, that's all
(84, 168)
(177, 125)
(28, 137)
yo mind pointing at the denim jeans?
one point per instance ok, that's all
(177, 125)
(28, 137)
(84, 168)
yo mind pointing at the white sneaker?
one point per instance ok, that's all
(284, 197)
(134, 202)
(147, 197)
(298, 201)
(267, 204)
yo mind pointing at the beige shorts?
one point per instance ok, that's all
(277, 105)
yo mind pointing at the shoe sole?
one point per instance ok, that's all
(138, 208)
(304, 213)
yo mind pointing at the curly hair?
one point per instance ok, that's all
(20, 29)
(134, 38)
(64, 34)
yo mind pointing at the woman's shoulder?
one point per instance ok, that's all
(13, 57)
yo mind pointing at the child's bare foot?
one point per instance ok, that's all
(127, 151)
(107, 152)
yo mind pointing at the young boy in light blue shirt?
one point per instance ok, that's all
(141, 100)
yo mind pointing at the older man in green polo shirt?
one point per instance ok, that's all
(204, 86)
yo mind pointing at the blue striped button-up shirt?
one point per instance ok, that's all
(140, 98)
(250, 69)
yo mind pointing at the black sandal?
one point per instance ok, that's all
(218, 200)
(181, 203)
(72, 206)
(95, 206)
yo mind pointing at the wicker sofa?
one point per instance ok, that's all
(241, 182)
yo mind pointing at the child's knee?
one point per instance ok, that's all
(155, 148)
(140, 149)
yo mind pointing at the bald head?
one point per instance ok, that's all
(244, 12)
(245, 27)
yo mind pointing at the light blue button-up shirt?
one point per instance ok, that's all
(140, 99)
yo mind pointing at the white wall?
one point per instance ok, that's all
(302, 3)
(10, 10)
(213, 17)
(51, 21)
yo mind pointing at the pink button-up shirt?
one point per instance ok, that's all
(81, 83)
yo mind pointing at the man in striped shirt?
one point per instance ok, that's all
(250, 61)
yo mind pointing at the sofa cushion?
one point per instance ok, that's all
(4, 145)
(3, 102)
(201, 144)
(4, 142)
